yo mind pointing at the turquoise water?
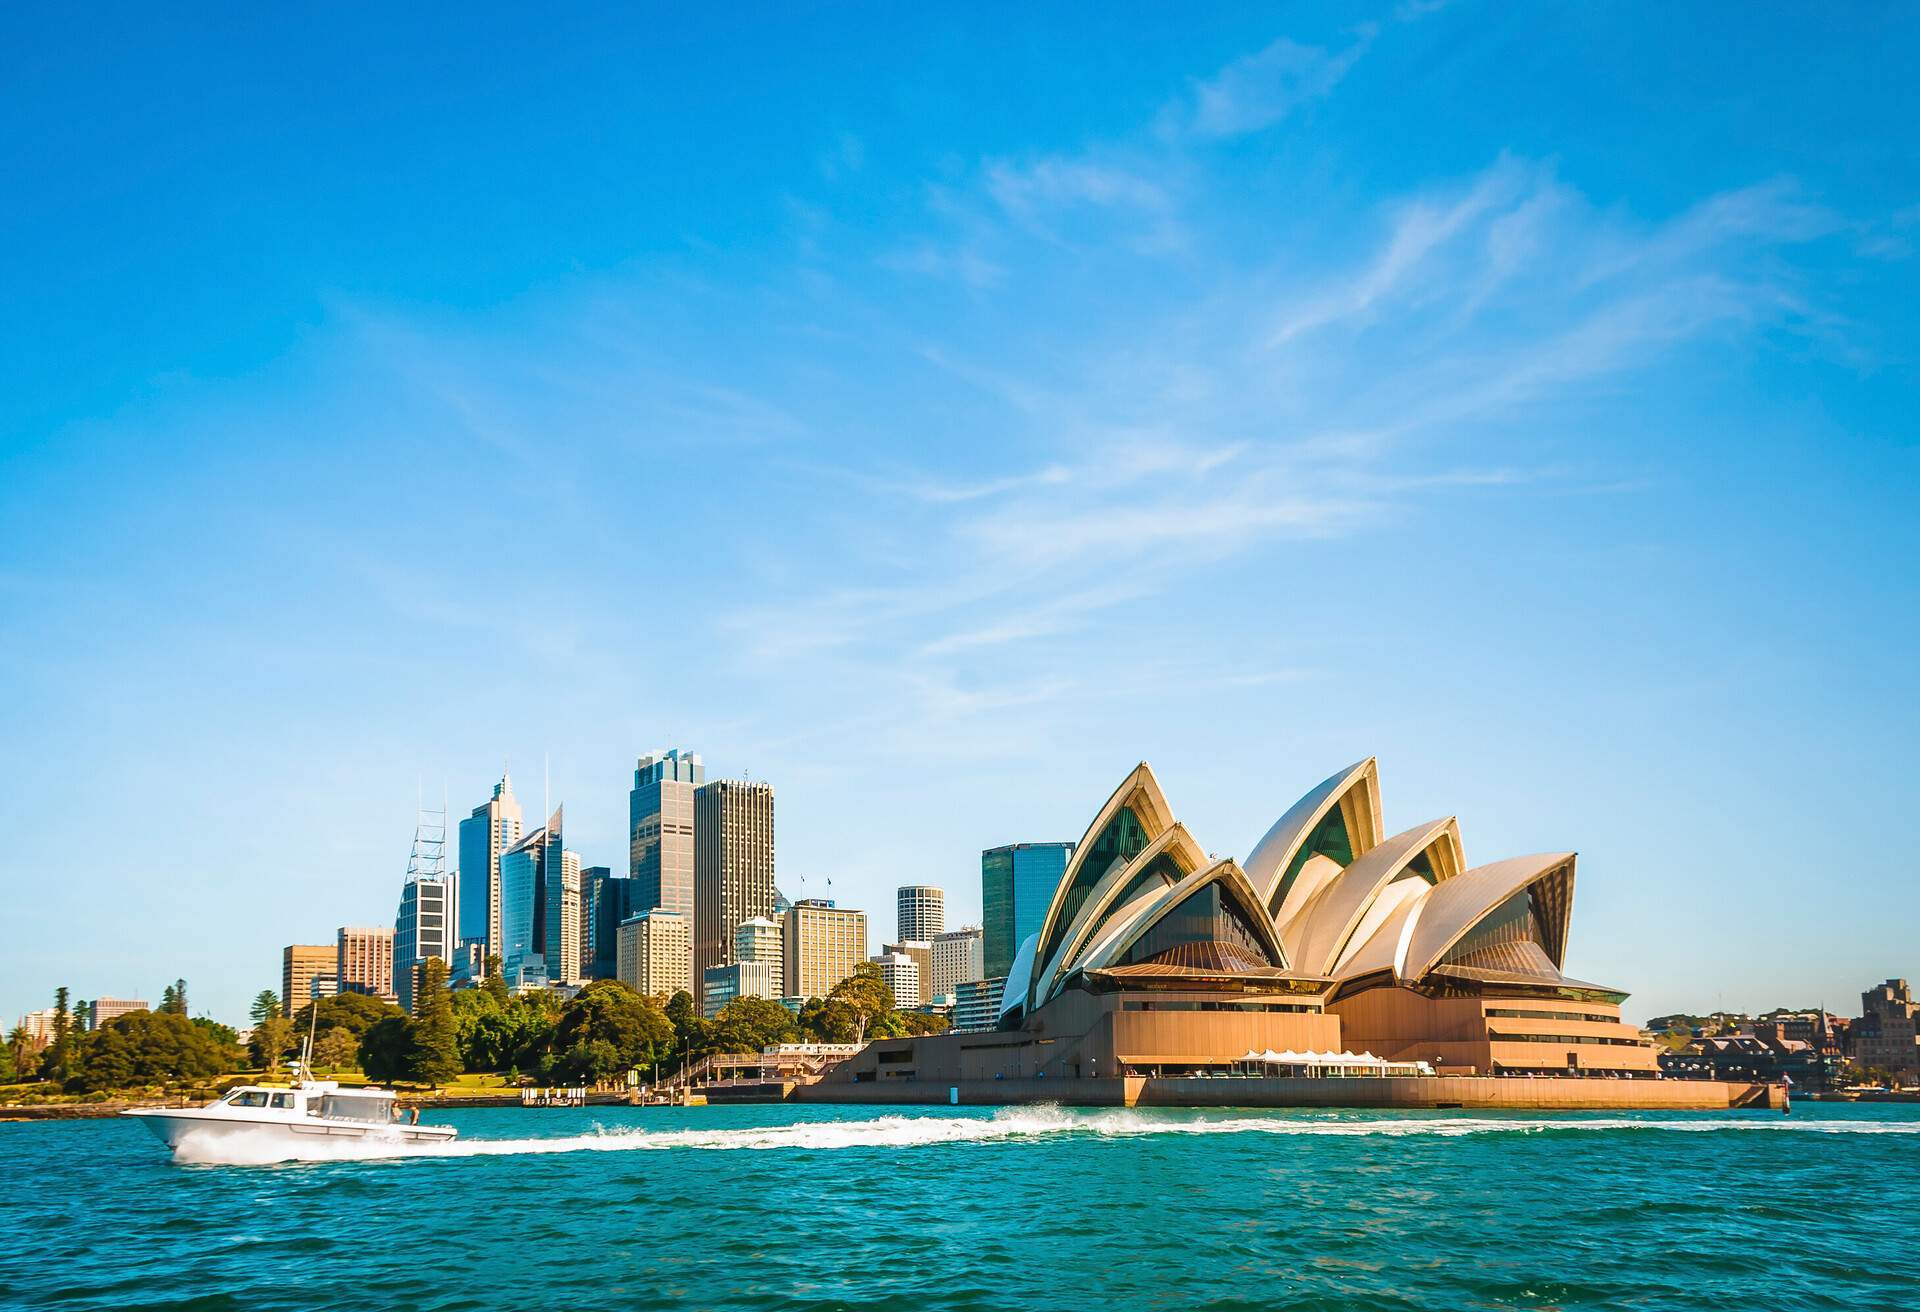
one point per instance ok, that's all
(806, 1207)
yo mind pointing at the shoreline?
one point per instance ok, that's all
(1431, 1093)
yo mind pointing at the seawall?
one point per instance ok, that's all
(1443, 1091)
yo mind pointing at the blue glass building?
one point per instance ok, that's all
(1016, 884)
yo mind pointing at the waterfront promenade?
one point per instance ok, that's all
(1437, 1091)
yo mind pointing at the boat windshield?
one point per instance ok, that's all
(356, 1107)
(247, 1098)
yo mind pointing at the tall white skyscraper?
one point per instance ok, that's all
(485, 837)
(920, 912)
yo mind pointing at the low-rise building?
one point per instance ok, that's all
(1887, 1035)
(720, 985)
(922, 954)
(902, 975)
(761, 940)
(976, 1003)
(102, 1010)
(39, 1026)
(1749, 1057)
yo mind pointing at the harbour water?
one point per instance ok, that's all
(831, 1207)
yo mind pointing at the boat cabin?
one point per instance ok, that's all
(315, 1098)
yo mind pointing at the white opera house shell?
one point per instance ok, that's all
(1412, 952)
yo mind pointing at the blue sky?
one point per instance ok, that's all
(936, 412)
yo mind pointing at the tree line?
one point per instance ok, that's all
(141, 1049)
(602, 1032)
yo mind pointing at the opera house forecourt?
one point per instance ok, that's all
(1336, 966)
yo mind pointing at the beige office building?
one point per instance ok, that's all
(958, 957)
(655, 953)
(824, 944)
(364, 961)
(732, 865)
(300, 964)
(102, 1010)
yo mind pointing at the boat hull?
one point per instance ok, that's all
(177, 1127)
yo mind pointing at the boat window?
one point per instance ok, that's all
(283, 1101)
(251, 1098)
(349, 1107)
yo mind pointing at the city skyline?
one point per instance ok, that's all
(884, 402)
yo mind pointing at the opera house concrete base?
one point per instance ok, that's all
(1465, 1092)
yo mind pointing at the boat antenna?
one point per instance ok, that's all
(306, 1055)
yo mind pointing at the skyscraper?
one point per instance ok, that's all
(485, 837)
(1016, 884)
(560, 927)
(732, 865)
(823, 943)
(920, 912)
(423, 927)
(300, 964)
(540, 905)
(660, 830)
(605, 901)
(363, 960)
(420, 930)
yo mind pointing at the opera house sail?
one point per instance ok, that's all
(1156, 959)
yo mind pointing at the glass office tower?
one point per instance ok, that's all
(1016, 884)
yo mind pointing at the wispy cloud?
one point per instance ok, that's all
(1257, 91)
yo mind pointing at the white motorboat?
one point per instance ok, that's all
(299, 1114)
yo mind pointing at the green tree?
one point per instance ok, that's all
(858, 1008)
(355, 1012)
(147, 1048)
(690, 1032)
(167, 1007)
(224, 1034)
(265, 1003)
(591, 1062)
(497, 1034)
(920, 1022)
(434, 1040)
(23, 1052)
(272, 1036)
(59, 1062)
(336, 1048)
(750, 1024)
(492, 980)
(384, 1050)
(636, 1032)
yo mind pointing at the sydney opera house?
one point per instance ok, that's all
(1156, 960)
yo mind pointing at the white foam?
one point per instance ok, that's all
(1006, 1124)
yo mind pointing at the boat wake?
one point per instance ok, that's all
(1005, 1125)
